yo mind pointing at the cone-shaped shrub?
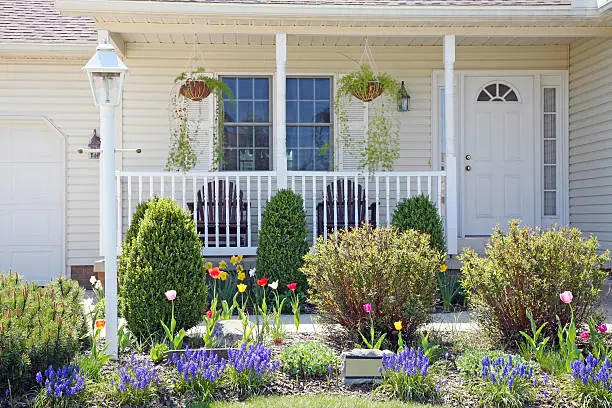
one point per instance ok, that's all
(419, 213)
(164, 255)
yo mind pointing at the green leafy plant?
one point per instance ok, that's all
(125, 338)
(39, 327)
(534, 345)
(420, 213)
(525, 270)
(278, 333)
(282, 240)
(157, 352)
(308, 359)
(449, 287)
(175, 339)
(566, 336)
(164, 254)
(295, 305)
(92, 363)
(380, 148)
(430, 349)
(372, 342)
(395, 271)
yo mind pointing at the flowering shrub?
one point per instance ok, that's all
(393, 271)
(138, 382)
(61, 386)
(251, 367)
(39, 327)
(308, 359)
(592, 381)
(502, 382)
(524, 271)
(198, 371)
(404, 376)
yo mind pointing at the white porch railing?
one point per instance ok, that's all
(228, 222)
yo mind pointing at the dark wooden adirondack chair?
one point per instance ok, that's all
(232, 206)
(338, 206)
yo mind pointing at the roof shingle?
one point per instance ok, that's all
(479, 3)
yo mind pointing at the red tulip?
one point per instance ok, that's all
(214, 272)
(209, 314)
(292, 286)
(262, 282)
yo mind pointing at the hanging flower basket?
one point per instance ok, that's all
(195, 89)
(369, 92)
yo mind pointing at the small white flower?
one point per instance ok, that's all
(252, 272)
(273, 285)
(93, 280)
(98, 285)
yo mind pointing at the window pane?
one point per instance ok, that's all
(262, 136)
(292, 155)
(292, 89)
(245, 136)
(262, 159)
(550, 99)
(292, 136)
(322, 160)
(246, 159)
(306, 137)
(232, 85)
(550, 203)
(261, 88)
(230, 136)
(503, 89)
(322, 112)
(322, 90)
(229, 108)
(550, 126)
(550, 152)
(245, 88)
(230, 158)
(245, 111)
(306, 89)
(292, 112)
(261, 112)
(306, 159)
(322, 137)
(511, 97)
(550, 177)
(306, 112)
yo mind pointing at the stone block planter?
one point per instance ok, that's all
(362, 366)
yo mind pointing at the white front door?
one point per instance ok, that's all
(31, 200)
(498, 152)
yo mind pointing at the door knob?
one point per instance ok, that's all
(468, 168)
(468, 157)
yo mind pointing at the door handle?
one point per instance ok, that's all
(468, 157)
(468, 168)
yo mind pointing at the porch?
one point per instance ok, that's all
(227, 207)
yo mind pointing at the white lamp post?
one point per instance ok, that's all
(106, 75)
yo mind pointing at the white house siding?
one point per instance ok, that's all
(590, 144)
(58, 90)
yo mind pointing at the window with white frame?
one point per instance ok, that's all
(550, 138)
(309, 123)
(248, 124)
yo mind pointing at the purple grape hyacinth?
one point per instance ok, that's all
(138, 375)
(502, 370)
(409, 362)
(63, 382)
(254, 360)
(593, 370)
(199, 365)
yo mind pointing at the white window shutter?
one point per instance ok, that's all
(201, 122)
(357, 115)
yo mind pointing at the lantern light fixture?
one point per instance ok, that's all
(403, 99)
(106, 74)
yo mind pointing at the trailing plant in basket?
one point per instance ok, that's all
(193, 86)
(380, 147)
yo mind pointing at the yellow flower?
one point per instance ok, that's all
(223, 265)
(241, 287)
(239, 268)
(223, 275)
(238, 258)
(398, 325)
(241, 275)
(208, 265)
(443, 268)
(233, 260)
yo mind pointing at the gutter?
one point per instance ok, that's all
(320, 12)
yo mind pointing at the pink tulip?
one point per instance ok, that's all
(171, 295)
(367, 307)
(566, 297)
(602, 328)
(585, 335)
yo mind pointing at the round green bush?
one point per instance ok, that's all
(308, 359)
(393, 271)
(38, 327)
(164, 255)
(524, 272)
(420, 214)
(282, 241)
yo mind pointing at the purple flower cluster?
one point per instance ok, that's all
(591, 371)
(66, 381)
(409, 362)
(503, 370)
(199, 365)
(138, 375)
(256, 360)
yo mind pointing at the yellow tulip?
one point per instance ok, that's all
(223, 275)
(208, 265)
(239, 258)
(233, 260)
(398, 325)
(241, 287)
(241, 275)
(443, 268)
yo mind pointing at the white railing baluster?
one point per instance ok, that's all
(184, 192)
(418, 185)
(366, 178)
(258, 203)
(214, 200)
(335, 201)
(304, 192)
(151, 193)
(356, 200)
(314, 210)
(377, 201)
(129, 192)
(139, 189)
(227, 218)
(293, 184)
(194, 196)
(238, 211)
(172, 188)
(439, 196)
(119, 212)
(249, 228)
(388, 192)
(345, 193)
(397, 187)
(408, 186)
(270, 187)
(429, 187)
(161, 190)
(205, 199)
(325, 207)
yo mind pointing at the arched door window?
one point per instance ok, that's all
(497, 92)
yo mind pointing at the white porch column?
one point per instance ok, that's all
(280, 121)
(451, 155)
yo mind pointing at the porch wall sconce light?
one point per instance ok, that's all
(94, 146)
(403, 99)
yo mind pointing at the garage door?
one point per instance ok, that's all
(31, 199)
